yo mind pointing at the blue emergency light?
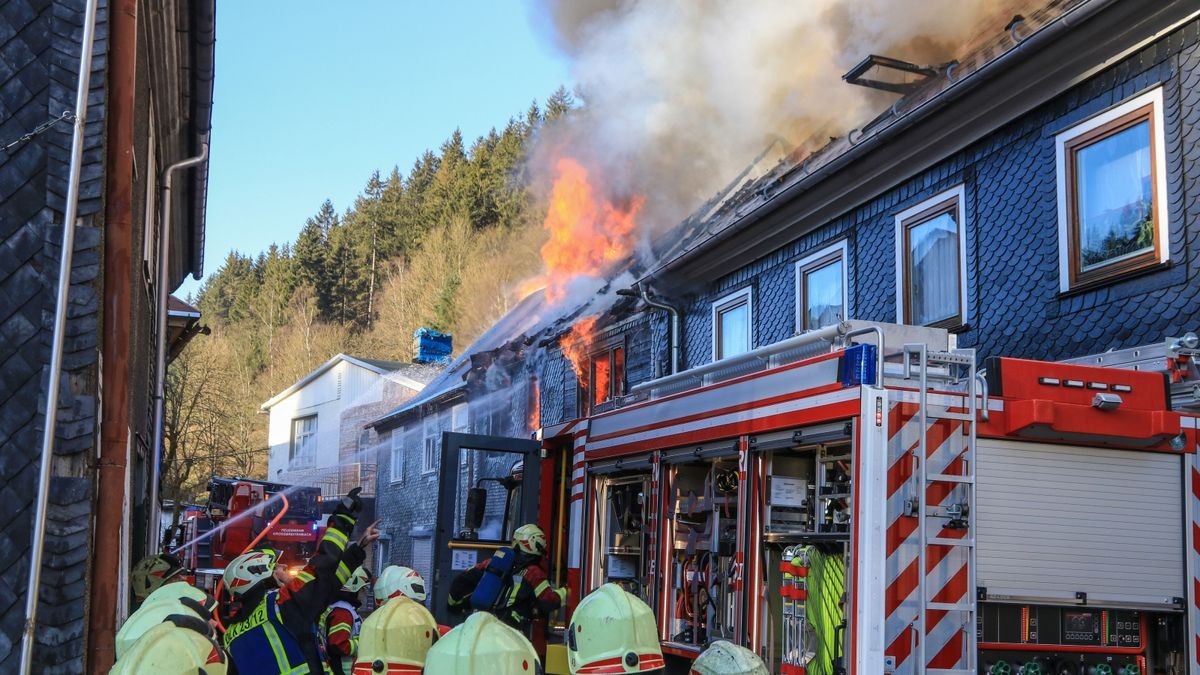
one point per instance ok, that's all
(858, 365)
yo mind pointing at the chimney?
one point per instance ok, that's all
(431, 346)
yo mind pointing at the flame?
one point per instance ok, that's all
(587, 233)
(535, 404)
(574, 346)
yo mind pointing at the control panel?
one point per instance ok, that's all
(1037, 639)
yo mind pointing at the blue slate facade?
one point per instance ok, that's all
(1013, 300)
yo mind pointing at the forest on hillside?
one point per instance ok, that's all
(441, 246)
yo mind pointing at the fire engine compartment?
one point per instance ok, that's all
(756, 537)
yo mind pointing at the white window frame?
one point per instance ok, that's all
(295, 460)
(959, 195)
(840, 249)
(1153, 98)
(399, 458)
(724, 303)
(430, 444)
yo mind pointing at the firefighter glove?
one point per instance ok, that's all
(352, 502)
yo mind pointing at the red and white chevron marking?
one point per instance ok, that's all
(1193, 538)
(946, 566)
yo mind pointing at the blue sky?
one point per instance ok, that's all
(312, 96)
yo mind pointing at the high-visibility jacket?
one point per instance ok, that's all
(529, 592)
(281, 635)
(340, 624)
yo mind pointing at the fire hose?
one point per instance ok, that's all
(250, 547)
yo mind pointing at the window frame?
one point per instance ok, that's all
(816, 260)
(1147, 106)
(430, 444)
(293, 457)
(946, 201)
(724, 304)
(398, 452)
(616, 380)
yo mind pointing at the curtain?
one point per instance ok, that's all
(933, 282)
(824, 304)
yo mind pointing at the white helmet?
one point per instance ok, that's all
(726, 658)
(483, 644)
(168, 600)
(246, 570)
(170, 648)
(152, 572)
(399, 580)
(530, 539)
(397, 634)
(612, 628)
(357, 581)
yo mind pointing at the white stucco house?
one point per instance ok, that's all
(317, 431)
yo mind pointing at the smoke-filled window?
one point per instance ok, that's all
(733, 319)
(1110, 171)
(931, 262)
(821, 288)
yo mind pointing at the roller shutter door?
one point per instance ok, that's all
(1054, 521)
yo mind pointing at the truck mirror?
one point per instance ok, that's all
(476, 502)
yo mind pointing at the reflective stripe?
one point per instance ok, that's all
(304, 576)
(541, 588)
(343, 572)
(336, 538)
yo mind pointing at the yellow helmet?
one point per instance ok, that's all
(726, 658)
(483, 644)
(397, 634)
(173, 649)
(168, 600)
(359, 578)
(530, 539)
(397, 580)
(153, 571)
(613, 631)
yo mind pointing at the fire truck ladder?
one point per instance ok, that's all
(950, 370)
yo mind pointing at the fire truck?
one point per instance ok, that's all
(238, 510)
(864, 499)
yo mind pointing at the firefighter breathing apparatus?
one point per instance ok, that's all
(497, 576)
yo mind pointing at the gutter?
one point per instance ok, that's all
(861, 147)
(50, 419)
(160, 347)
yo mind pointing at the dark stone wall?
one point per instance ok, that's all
(39, 61)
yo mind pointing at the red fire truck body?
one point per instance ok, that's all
(937, 519)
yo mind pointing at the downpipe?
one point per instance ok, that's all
(160, 347)
(676, 347)
(71, 212)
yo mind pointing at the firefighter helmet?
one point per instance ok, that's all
(173, 648)
(168, 600)
(530, 539)
(726, 658)
(397, 580)
(612, 627)
(248, 569)
(397, 634)
(154, 571)
(483, 644)
(358, 580)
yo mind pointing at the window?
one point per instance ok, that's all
(399, 465)
(1111, 187)
(431, 446)
(931, 262)
(732, 319)
(821, 288)
(150, 226)
(606, 377)
(304, 442)
(364, 442)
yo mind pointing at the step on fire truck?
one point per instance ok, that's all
(237, 511)
(868, 499)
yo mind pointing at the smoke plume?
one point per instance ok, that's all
(680, 95)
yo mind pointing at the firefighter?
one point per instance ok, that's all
(613, 631)
(726, 658)
(397, 580)
(340, 623)
(274, 628)
(154, 571)
(395, 638)
(182, 645)
(159, 606)
(482, 645)
(511, 584)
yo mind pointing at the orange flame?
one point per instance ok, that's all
(574, 346)
(535, 404)
(587, 234)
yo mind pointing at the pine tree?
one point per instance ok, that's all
(560, 103)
